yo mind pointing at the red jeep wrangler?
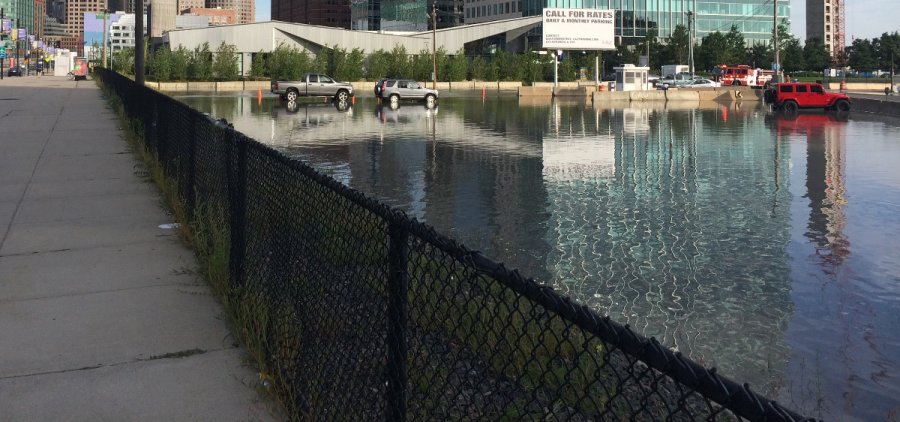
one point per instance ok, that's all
(791, 96)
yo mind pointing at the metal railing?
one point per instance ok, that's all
(367, 314)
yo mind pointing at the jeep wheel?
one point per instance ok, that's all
(789, 106)
(842, 105)
(430, 101)
(342, 95)
(291, 95)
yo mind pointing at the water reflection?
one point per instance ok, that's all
(721, 230)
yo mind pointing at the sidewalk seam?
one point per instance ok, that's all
(33, 171)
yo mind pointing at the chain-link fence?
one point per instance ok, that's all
(366, 314)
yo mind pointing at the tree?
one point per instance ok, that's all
(287, 63)
(712, 52)
(760, 55)
(122, 61)
(200, 65)
(160, 64)
(399, 62)
(225, 66)
(792, 55)
(353, 70)
(656, 54)
(258, 65)
(378, 65)
(816, 55)
(678, 45)
(888, 44)
(180, 59)
(479, 68)
(862, 55)
(457, 67)
(737, 47)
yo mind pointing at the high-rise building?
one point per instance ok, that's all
(20, 11)
(405, 15)
(824, 20)
(246, 9)
(75, 10)
(313, 12)
(162, 17)
(190, 4)
(216, 16)
(753, 18)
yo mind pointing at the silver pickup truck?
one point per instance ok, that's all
(313, 85)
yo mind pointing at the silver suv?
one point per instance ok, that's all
(395, 90)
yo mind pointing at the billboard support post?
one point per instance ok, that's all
(577, 29)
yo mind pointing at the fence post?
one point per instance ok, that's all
(191, 188)
(397, 313)
(237, 199)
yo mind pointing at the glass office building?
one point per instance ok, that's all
(754, 18)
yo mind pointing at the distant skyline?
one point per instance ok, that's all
(863, 21)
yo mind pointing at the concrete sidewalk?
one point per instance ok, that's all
(101, 314)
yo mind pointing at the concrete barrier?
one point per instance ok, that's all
(648, 95)
(561, 91)
(154, 85)
(867, 105)
(201, 86)
(488, 85)
(229, 86)
(536, 100)
(462, 85)
(534, 91)
(255, 85)
(440, 86)
(607, 96)
(173, 86)
(682, 95)
(509, 86)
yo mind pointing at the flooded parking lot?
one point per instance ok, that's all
(763, 245)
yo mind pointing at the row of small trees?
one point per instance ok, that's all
(287, 63)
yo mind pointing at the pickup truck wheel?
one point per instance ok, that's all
(291, 95)
(842, 105)
(342, 96)
(430, 101)
(789, 106)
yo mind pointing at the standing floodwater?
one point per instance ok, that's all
(762, 245)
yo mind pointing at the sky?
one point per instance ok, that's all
(865, 19)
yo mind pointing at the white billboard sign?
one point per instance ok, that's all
(579, 29)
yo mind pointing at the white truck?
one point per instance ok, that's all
(313, 85)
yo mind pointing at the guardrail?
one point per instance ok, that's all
(367, 314)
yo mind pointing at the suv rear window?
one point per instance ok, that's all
(390, 83)
(816, 88)
(786, 88)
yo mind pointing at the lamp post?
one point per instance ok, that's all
(434, 44)
(690, 16)
(103, 54)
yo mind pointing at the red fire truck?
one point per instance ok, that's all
(744, 75)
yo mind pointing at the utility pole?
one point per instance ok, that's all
(139, 42)
(103, 55)
(690, 15)
(434, 44)
(775, 40)
(2, 16)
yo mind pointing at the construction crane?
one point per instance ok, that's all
(838, 42)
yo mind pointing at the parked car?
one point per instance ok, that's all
(395, 90)
(791, 96)
(677, 80)
(701, 83)
(313, 85)
(14, 71)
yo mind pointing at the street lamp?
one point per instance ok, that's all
(433, 44)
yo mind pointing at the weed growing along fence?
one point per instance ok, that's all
(358, 312)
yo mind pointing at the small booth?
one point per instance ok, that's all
(632, 78)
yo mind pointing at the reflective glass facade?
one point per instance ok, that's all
(754, 18)
(404, 15)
